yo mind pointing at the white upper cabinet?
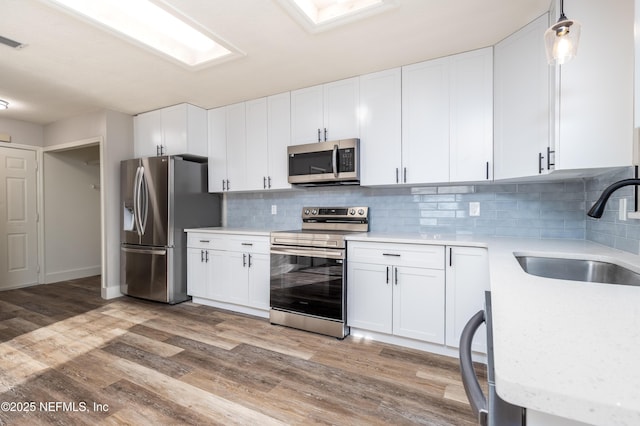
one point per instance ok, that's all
(236, 147)
(571, 119)
(247, 145)
(257, 153)
(268, 127)
(471, 120)
(325, 112)
(521, 112)
(425, 122)
(447, 110)
(217, 149)
(593, 120)
(178, 129)
(279, 138)
(381, 127)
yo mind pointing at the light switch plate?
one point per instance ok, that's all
(622, 210)
(274, 209)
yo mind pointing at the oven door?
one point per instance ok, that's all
(308, 281)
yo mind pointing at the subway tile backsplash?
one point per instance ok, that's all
(516, 210)
(539, 210)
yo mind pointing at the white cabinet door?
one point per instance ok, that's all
(259, 270)
(197, 272)
(217, 119)
(148, 134)
(184, 128)
(325, 112)
(425, 122)
(307, 115)
(418, 303)
(381, 127)
(229, 281)
(594, 106)
(467, 278)
(521, 93)
(279, 136)
(471, 139)
(341, 100)
(257, 144)
(369, 297)
(236, 147)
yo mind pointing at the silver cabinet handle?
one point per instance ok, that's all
(396, 274)
(405, 175)
(397, 176)
(391, 254)
(228, 185)
(204, 241)
(387, 275)
(244, 260)
(268, 181)
(264, 182)
(325, 134)
(249, 265)
(201, 256)
(318, 135)
(223, 185)
(247, 244)
(206, 256)
(540, 157)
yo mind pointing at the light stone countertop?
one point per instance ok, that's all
(567, 348)
(231, 231)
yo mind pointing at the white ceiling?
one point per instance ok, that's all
(70, 67)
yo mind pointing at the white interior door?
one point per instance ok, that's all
(18, 218)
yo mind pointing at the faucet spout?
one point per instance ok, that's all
(597, 209)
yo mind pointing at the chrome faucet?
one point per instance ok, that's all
(598, 208)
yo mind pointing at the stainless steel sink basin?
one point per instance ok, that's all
(578, 270)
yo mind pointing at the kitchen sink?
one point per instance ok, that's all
(578, 270)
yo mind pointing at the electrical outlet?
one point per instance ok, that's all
(274, 209)
(622, 210)
(474, 208)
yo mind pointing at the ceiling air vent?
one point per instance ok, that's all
(11, 43)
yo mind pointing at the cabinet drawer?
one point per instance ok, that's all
(204, 240)
(248, 243)
(416, 255)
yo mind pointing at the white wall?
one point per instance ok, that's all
(118, 146)
(72, 228)
(116, 132)
(22, 132)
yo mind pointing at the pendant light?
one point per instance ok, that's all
(4, 104)
(561, 39)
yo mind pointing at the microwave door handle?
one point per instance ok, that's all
(334, 161)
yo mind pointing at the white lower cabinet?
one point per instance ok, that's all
(422, 292)
(467, 276)
(396, 289)
(229, 271)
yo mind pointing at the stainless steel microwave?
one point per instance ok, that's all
(325, 163)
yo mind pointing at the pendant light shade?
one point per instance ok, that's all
(561, 40)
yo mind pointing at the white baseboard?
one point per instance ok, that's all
(256, 312)
(72, 274)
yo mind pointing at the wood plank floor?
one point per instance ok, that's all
(68, 357)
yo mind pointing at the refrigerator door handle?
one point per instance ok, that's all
(136, 201)
(144, 202)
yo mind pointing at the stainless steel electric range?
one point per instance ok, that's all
(308, 270)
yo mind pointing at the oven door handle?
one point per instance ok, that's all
(315, 252)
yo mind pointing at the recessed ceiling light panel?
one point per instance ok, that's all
(153, 24)
(321, 15)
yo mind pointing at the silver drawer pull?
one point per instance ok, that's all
(391, 254)
(204, 241)
(247, 244)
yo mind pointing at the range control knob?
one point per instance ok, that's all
(314, 211)
(307, 212)
(360, 212)
(352, 212)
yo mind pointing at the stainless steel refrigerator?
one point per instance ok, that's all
(161, 196)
